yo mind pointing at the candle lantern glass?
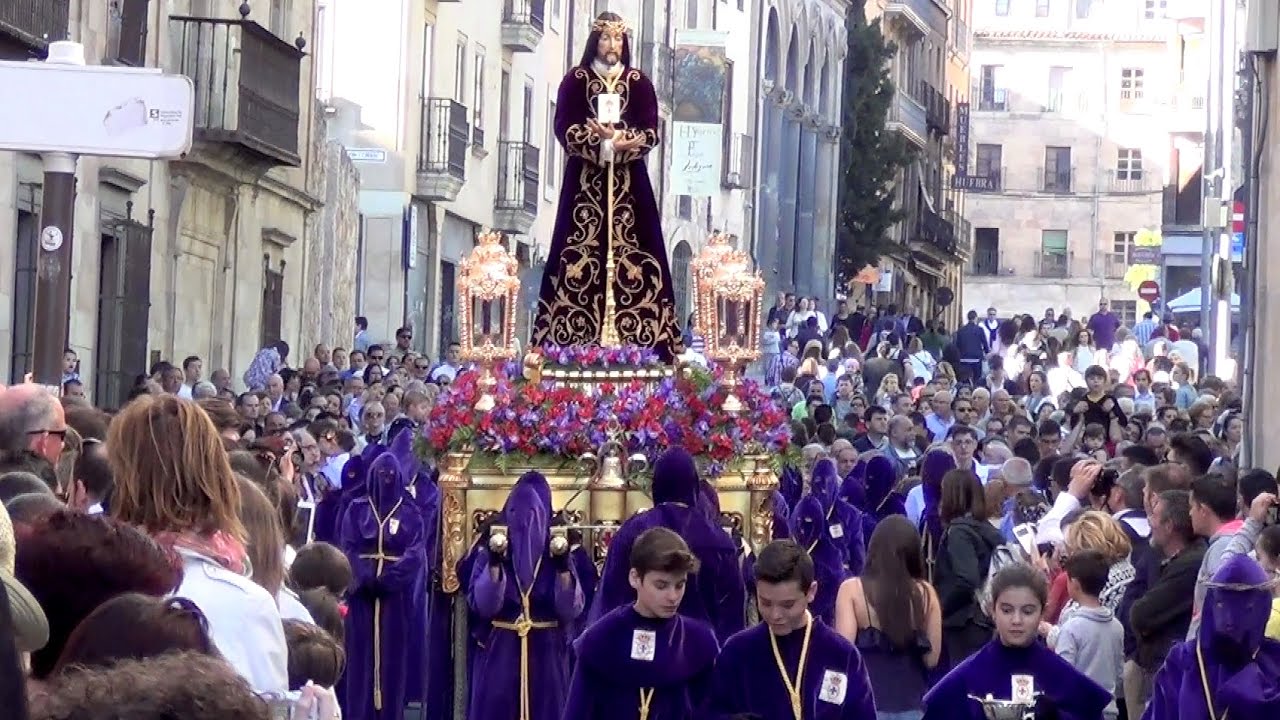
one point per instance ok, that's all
(488, 288)
(718, 248)
(730, 300)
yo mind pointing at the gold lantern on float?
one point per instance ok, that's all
(719, 247)
(730, 300)
(489, 286)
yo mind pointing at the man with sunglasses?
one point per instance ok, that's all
(32, 419)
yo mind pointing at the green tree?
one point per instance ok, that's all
(870, 156)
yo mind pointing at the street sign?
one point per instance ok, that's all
(95, 110)
(1149, 290)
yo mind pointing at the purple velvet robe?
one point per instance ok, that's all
(333, 504)
(1071, 694)
(426, 494)
(571, 306)
(499, 684)
(608, 680)
(716, 592)
(384, 538)
(791, 484)
(809, 528)
(853, 489)
(882, 498)
(748, 681)
(1242, 666)
(844, 521)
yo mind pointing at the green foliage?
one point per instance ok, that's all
(870, 155)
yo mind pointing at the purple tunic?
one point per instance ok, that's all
(1242, 667)
(809, 528)
(571, 305)
(935, 464)
(519, 673)
(716, 592)
(844, 521)
(384, 537)
(613, 679)
(748, 681)
(990, 671)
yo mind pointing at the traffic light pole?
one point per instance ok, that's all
(53, 269)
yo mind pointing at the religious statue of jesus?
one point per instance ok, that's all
(607, 281)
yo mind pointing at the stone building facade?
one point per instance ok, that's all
(1071, 110)
(205, 255)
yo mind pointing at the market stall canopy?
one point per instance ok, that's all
(1190, 302)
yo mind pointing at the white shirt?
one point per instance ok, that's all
(244, 622)
(291, 608)
(184, 392)
(915, 497)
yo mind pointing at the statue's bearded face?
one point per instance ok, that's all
(609, 47)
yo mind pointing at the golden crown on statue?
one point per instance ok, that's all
(618, 27)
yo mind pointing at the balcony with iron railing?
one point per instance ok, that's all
(963, 232)
(442, 152)
(1114, 265)
(522, 24)
(1057, 180)
(517, 206)
(656, 62)
(937, 110)
(28, 26)
(933, 229)
(246, 86)
(1181, 208)
(907, 116)
(993, 99)
(1053, 264)
(738, 163)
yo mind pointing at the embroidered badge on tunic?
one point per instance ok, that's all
(644, 644)
(393, 525)
(1024, 689)
(834, 687)
(837, 531)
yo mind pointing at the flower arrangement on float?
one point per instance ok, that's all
(548, 424)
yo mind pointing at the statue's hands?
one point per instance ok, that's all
(604, 132)
(627, 142)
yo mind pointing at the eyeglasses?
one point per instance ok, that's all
(60, 434)
(423, 367)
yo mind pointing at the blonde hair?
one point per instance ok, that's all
(265, 543)
(884, 384)
(171, 470)
(1098, 531)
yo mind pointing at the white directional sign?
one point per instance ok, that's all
(95, 110)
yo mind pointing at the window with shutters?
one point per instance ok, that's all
(272, 301)
(127, 32)
(24, 293)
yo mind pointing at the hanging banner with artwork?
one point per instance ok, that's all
(698, 112)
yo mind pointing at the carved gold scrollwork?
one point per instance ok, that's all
(480, 517)
(732, 521)
(600, 541)
(453, 526)
(762, 523)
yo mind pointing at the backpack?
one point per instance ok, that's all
(1002, 557)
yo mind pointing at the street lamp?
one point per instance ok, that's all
(730, 300)
(489, 284)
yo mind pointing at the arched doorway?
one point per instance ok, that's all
(681, 258)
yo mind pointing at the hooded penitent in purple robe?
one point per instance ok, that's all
(384, 538)
(933, 466)
(715, 593)
(1066, 691)
(853, 489)
(1230, 656)
(749, 681)
(426, 494)
(791, 485)
(588, 574)
(844, 521)
(333, 504)
(627, 661)
(571, 306)
(809, 528)
(882, 499)
(528, 596)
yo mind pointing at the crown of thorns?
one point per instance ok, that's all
(613, 26)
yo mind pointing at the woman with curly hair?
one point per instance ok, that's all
(174, 481)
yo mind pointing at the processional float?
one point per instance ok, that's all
(597, 463)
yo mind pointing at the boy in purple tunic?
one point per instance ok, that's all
(716, 592)
(646, 661)
(1230, 670)
(524, 587)
(792, 666)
